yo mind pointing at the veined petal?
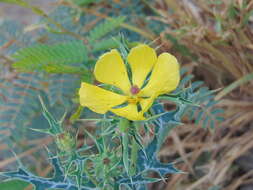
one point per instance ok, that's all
(97, 99)
(110, 69)
(165, 76)
(141, 59)
(130, 112)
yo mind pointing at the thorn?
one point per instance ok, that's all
(63, 117)
(20, 165)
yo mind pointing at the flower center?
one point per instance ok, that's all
(134, 90)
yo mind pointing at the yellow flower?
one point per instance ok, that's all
(136, 98)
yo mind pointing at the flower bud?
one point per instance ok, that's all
(65, 142)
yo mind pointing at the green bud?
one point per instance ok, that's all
(65, 142)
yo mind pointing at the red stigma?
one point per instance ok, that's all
(134, 90)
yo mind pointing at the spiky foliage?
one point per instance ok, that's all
(93, 171)
(103, 169)
(99, 172)
(58, 181)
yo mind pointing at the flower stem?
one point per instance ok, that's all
(124, 126)
(134, 153)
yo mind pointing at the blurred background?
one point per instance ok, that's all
(213, 39)
(23, 15)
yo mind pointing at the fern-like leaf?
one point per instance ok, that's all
(41, 57)
(21, 104)
(106, 44)
(105, 28)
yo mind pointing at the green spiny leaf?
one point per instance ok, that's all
(55, 126)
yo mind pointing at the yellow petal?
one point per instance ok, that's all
(110, 69)
(141, 59)
(130, 112)
(165, 76)
(147, 103)
(98, 99)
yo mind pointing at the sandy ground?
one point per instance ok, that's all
(26, 16)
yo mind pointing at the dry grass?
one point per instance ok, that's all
(221, 36)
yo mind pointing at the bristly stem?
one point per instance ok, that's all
(134, 154)
(124, 126)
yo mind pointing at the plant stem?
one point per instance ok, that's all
(134, 153)
(123, 125)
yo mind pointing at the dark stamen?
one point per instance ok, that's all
(135, 89)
